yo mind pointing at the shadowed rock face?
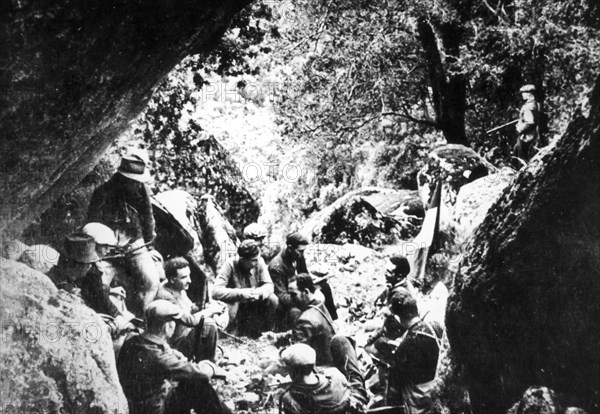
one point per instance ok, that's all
(525, 306)
(57, 355)
(74, 73)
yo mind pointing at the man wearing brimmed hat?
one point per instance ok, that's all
(245, 285)
(148, 367)
(78, 272)
(528, 124)
(123, 204)
(319, 390)
(77, 259)
(284, 268)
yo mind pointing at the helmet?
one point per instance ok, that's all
(255, 231)
(100, 233)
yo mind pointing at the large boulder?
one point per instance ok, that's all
(57, 356)
(474, 200)
(526, 298)
(369, 216)
(73, 75)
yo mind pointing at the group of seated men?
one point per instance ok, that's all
(166, 366)
(178, 344)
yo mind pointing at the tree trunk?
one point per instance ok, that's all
(448, 91)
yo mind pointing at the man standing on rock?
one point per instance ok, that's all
(148, 367)
(528, 125)
(196, 333)
(245, 285)
(283, 269)
(123, 204)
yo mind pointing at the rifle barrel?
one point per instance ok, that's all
(502, 126)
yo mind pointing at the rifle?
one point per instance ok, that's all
(501, 126)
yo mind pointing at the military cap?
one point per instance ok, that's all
(299, 354)
(296, 239)
(248, 249)
(162, 309)
(527, 88)
(80, 248)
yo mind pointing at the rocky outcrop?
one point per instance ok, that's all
(370, 216)
(456, 165)
(526, 298)
(73, 75)
(474, 200)
(40, 257)
(57, 356)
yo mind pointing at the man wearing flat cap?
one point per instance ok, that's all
(245, 285)
(283, 269)
(528, 124)
(123, 204)
(320, 390)
(157, 379)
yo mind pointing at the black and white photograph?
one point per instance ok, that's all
(300, 207)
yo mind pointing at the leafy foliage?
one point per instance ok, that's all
(384, 71)
(183, 154)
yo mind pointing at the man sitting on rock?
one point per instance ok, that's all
(245, 285)
(320, 390)
(123, 204)
(283, 269)
(148, 368)
(196, 333)
(396, 273)
(414, 360)
(78, 272)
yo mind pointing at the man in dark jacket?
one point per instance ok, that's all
(414, 361)
(123, 204)
(283, 269)
(148, 367)
(321, 390)
(314, 326)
